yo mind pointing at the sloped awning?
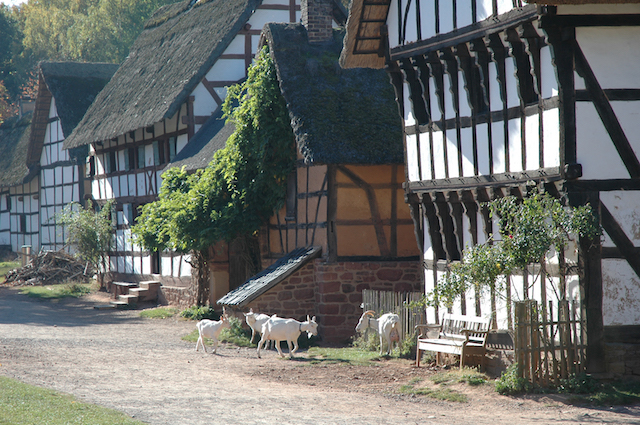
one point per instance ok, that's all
(270, 277)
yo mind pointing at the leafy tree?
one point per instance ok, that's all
(529, 229)
(90, 232)
(239, 190)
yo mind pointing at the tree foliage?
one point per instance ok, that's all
(90, 232)
(244, 184)
(67, 30)
(529, 229)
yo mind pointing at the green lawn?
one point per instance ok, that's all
(26, 404)
(48, 292)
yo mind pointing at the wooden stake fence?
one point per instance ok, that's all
(396, 302)
(550, 341)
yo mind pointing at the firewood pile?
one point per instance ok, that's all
(49, 267)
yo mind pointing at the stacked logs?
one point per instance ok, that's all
(49, 267)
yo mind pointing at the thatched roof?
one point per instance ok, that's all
(211, 137)
(365, 44)
(177, 47)
(338, 116)
(74, 86)
(14, 142)
(270, 277)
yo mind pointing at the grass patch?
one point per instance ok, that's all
(50, 292)
(5, 266)
(348, 355)
(464, 376)
(25, 404)
(159, 313)
(199, 312)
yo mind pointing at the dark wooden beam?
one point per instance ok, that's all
(466, 34)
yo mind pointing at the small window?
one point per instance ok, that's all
(141, 158)
(90, 167)
(172, 148)
(23, 223)
(8, 200)
(111, 165)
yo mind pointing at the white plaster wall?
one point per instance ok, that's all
(452, 153)
(624, 206)
(425, 156)
(412, 157)
(598, 9)
(532, 142)
(392, 22)
(592, 137)
(498, 147)
(605, 46)
(438, 154)
(482, 142)
(466, 137)
(621, 294)
(551, 137)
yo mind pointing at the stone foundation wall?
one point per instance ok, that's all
(333, 292)
(622, 360)
(180, 296)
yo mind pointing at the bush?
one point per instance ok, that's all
(236, 334)
(510, 383)
(579, 384)
(199, 313)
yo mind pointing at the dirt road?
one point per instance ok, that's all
(143, 368)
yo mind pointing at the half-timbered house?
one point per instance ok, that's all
(344, 227)
(171, 83)
(16, 179)
(65, 92)
(496, 94)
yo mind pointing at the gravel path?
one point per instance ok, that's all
(143, 368)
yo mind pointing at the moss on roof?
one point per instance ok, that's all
(14, 142)
(170, 57)
(338, 116)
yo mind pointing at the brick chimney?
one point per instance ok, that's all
(317, 19)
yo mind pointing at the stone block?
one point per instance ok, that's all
(284, 295)
(387, 274)
(304, 294)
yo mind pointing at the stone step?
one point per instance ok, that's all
(128, 298)
(118, 304)
(110, 306)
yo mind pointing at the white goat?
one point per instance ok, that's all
(211, 329)
(279, 329)
(255, 322)
(387, 326)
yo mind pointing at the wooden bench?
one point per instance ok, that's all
(457, 334)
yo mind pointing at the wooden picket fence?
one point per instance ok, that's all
(396, 302)
(550, 341)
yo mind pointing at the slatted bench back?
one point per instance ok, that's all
(453, 324)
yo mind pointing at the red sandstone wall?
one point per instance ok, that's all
(333, 292)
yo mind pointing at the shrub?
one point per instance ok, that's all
(199, 313)
(236, 334)
(510, 383)
(579, 384)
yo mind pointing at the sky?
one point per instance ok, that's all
(12, 2)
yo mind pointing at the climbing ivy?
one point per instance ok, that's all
(242, 186)
(529, 229)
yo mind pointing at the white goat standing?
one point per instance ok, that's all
(388, 327)
(279, 329)
(211, 329)
(255, 322)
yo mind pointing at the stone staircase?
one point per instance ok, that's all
(128, 294)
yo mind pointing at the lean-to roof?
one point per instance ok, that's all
(270, 277)
(338, 116)
(177, 47)
(74, 86)
(14, 142)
